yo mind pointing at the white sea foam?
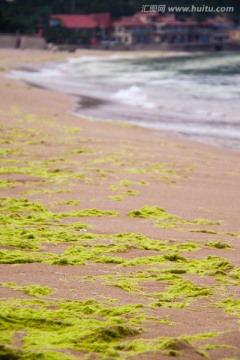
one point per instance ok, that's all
(134, 96)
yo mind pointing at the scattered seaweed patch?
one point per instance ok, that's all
(70, 202)
(174, 346)
(131, 192)
(7, 184)
(23, 257)
(166, 220)
(87, 326)
(218, 245)
(235, 273)
(140, 241)
(123, 184)
(116, 197)
(231, 306)
(89, 212)
(82, 326)
(24, 212)
(34, 290)
(163, 171)
(204, 231)
(126, 285)
(177, 294)
(211, 265)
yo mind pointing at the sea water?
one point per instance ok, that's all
(193, 96)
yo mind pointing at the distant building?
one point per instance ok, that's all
(162, 31)
(144, 30)
(76, 22)
(184, 33)
(132, 30)
(82, 27)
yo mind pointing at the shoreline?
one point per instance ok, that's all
(123, 243)
(202, 128)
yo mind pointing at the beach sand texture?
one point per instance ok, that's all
(116, 242)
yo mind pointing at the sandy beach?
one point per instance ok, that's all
(117, 242)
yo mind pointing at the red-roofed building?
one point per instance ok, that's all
(103, 20)
(79, 29)
(77, 22)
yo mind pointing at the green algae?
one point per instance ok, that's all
(126, 285)
(131, 192)
(219, 245)
(171, 346)
(116, 197)
(23, 212)
(10, 151)
(231, 306)
(215, 346)
(81, 150)
(22, 257)
(235, 273)
(77, 255)
(39, 169)
(162, 170)
(166, 220)
(204, 231)
(84, 326)
(7, 184)
(26, 225)
(34, 290)
(6, 337)
(237, 234)
(35, 191)
(153, 212)
(140, 241)
(178, 293)
(11, 353)
(89, 212)
(74, 255)
(70, 202)
(125, 183)
(211, 265)
(31, 237)
(155, 260)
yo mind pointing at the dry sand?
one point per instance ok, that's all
(187, 179)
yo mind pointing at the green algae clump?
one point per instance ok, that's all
(84, 326)
(219, 245)
(34, 290)
(152, 212)
(89, 212)
(166, 220)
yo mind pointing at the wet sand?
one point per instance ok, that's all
(70, 164)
